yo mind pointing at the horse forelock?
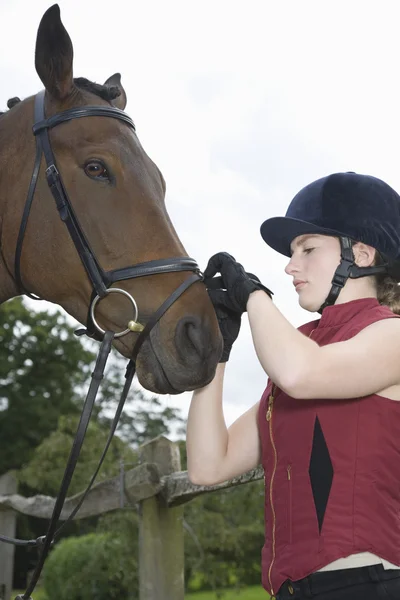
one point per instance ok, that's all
(105, 92)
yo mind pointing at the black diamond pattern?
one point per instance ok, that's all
(321, 472)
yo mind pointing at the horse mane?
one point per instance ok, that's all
(11, 102)
(105, 92)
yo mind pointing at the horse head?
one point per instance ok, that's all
(118, 196)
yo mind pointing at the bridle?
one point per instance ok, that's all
(101, 281)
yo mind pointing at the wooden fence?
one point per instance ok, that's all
(159, 488)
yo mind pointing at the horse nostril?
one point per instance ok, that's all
(191, 338)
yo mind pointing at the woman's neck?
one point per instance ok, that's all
(355, 289)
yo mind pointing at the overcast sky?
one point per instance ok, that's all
(240, 103)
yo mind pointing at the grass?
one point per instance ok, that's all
(250, 593)
(38, 594)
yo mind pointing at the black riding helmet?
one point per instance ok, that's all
(352, 207)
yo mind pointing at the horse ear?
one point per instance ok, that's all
(115, 81)
(54, 55)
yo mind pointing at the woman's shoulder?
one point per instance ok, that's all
(307, 328)
(384, 312)
(377, 313)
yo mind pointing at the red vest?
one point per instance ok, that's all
(332, 467)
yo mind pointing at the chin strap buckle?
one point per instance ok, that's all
(342, 272)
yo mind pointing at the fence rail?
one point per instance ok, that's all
(159, 488)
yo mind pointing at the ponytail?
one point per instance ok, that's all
(388, 289)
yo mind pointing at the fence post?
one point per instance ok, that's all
(8, 520)
(161, 550)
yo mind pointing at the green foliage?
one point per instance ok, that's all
(44, 373)
(224, 535)
(92, 566)
(123, 523)
(46, 468)
(42, 365)
(144, 417)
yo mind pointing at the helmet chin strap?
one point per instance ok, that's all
(347, 268)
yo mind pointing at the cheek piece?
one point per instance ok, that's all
(347, 268)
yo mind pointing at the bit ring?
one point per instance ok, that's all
(114, 291)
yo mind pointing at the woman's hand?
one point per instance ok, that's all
(229, 322)
(234, 279)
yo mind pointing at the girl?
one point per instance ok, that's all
(327, 428)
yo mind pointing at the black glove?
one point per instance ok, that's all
(229, 321)
(234, 279)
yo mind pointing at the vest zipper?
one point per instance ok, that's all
(269, 419)
(289, 470)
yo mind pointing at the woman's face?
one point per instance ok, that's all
(312, 265)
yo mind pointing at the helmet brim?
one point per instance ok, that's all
(279, 232)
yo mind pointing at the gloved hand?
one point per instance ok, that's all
(234, 279)
(229, 321)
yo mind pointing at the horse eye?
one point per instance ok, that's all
(96, 170)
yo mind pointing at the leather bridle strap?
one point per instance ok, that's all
(130, 372)
(152, 267)
(101, 280)
(24, 220)
(59, 192)
(46, 541)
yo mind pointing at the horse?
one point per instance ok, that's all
(118, 202)
(82, 207)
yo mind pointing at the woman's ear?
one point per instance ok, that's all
(364, 254)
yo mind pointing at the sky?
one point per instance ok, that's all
(240, 104)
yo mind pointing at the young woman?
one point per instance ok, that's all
(327, 428)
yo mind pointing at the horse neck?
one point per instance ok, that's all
(16, 159)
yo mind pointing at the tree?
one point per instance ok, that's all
(42, 365)
(44, 375)
(45, 470)
(224, 535)
(144, 417)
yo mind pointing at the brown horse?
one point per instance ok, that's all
(117, 194)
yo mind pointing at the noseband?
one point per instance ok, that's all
(101, 281)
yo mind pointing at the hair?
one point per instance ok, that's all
(106, 92)
(388, 288)
(11, 102)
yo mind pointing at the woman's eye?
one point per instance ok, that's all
(308, 250)
(96, 170)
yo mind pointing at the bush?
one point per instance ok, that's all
(94, 566)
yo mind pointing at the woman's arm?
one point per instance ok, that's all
(284, 352)
(365, 364)
(215, 453)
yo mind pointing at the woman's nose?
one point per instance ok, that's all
(291, 267)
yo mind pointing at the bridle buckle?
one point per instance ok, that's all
(135, 326)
